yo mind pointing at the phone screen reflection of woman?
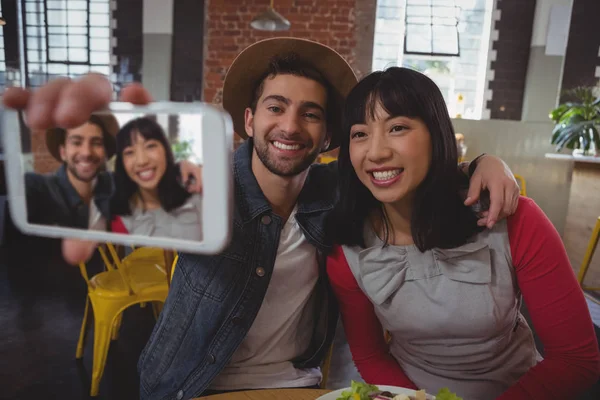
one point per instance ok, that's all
(149, 199)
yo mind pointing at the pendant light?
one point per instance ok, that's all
(270, 20)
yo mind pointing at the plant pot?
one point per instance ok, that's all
(583, 153)
(591, 152)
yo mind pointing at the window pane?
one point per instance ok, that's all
(57, 40)
(59, 54)
(35, 56)
(99, 20)
(78, 30)
(78, 55)
(99, 58)
(35, 19)
(100, 44)
(34, 43)
(33, 67)
(78, 41)
(100, 8)
(418, 39)
(57, 17)
(445, 40)
(57, 29)
(77, 5)
(443, 21)
(418, 20)
(100, 32)
(78, 69)
(78, 18)
(417, 11)
(57, 69)
(57, 4)
(445, 12)
(33, 7)
(34, 31)
(101, 69)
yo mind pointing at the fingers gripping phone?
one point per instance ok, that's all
(157, 176)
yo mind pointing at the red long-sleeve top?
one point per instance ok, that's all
(553, 297)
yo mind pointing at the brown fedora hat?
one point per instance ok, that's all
(55, 137)
(253, 62)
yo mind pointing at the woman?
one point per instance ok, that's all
(148, 199)
(414, 263)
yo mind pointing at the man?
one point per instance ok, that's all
(260, 314)
(63, 198)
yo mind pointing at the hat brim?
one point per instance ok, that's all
(253, 62)
(55, 137)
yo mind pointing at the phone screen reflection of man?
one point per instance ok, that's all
(62, 198)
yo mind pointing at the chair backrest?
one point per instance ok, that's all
(120, 266)
(173, 268)
(522, 184)
(110, 266)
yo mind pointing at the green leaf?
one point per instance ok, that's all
(360, 388)
(446, 394)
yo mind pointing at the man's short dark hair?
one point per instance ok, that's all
(292, 64)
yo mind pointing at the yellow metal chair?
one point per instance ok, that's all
(138, 278)
(326, 366)
(327, 160)
(522, 184)
(587, 259)
(173, 267)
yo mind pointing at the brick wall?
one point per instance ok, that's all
(512, 58)
(331, 22)
(583, 48)
(345, 25)
(43, 162)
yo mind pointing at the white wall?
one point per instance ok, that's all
(158, 16)
(541, 22)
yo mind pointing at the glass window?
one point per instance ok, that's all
(99, 20)
(431, 27)
(79, 41)
(58, 69)
(425, 35)
(100, 45)
(99, 58)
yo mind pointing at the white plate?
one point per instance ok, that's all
(392, 389)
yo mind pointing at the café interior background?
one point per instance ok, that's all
(502, 68)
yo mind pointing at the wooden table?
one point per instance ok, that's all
(271, 394)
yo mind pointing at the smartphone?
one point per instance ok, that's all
(119, 177)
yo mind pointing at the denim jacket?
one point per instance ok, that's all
(213, 300)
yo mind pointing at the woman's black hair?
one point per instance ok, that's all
(170, 193)
(439, 217)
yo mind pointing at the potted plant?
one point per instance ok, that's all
(578, 122)
(182, 150)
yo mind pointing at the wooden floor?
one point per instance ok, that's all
(41, 308)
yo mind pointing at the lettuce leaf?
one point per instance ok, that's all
(358, 391)
(446, 394)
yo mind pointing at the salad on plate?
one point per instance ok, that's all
(364, 391)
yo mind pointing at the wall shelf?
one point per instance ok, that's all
(568, 157)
